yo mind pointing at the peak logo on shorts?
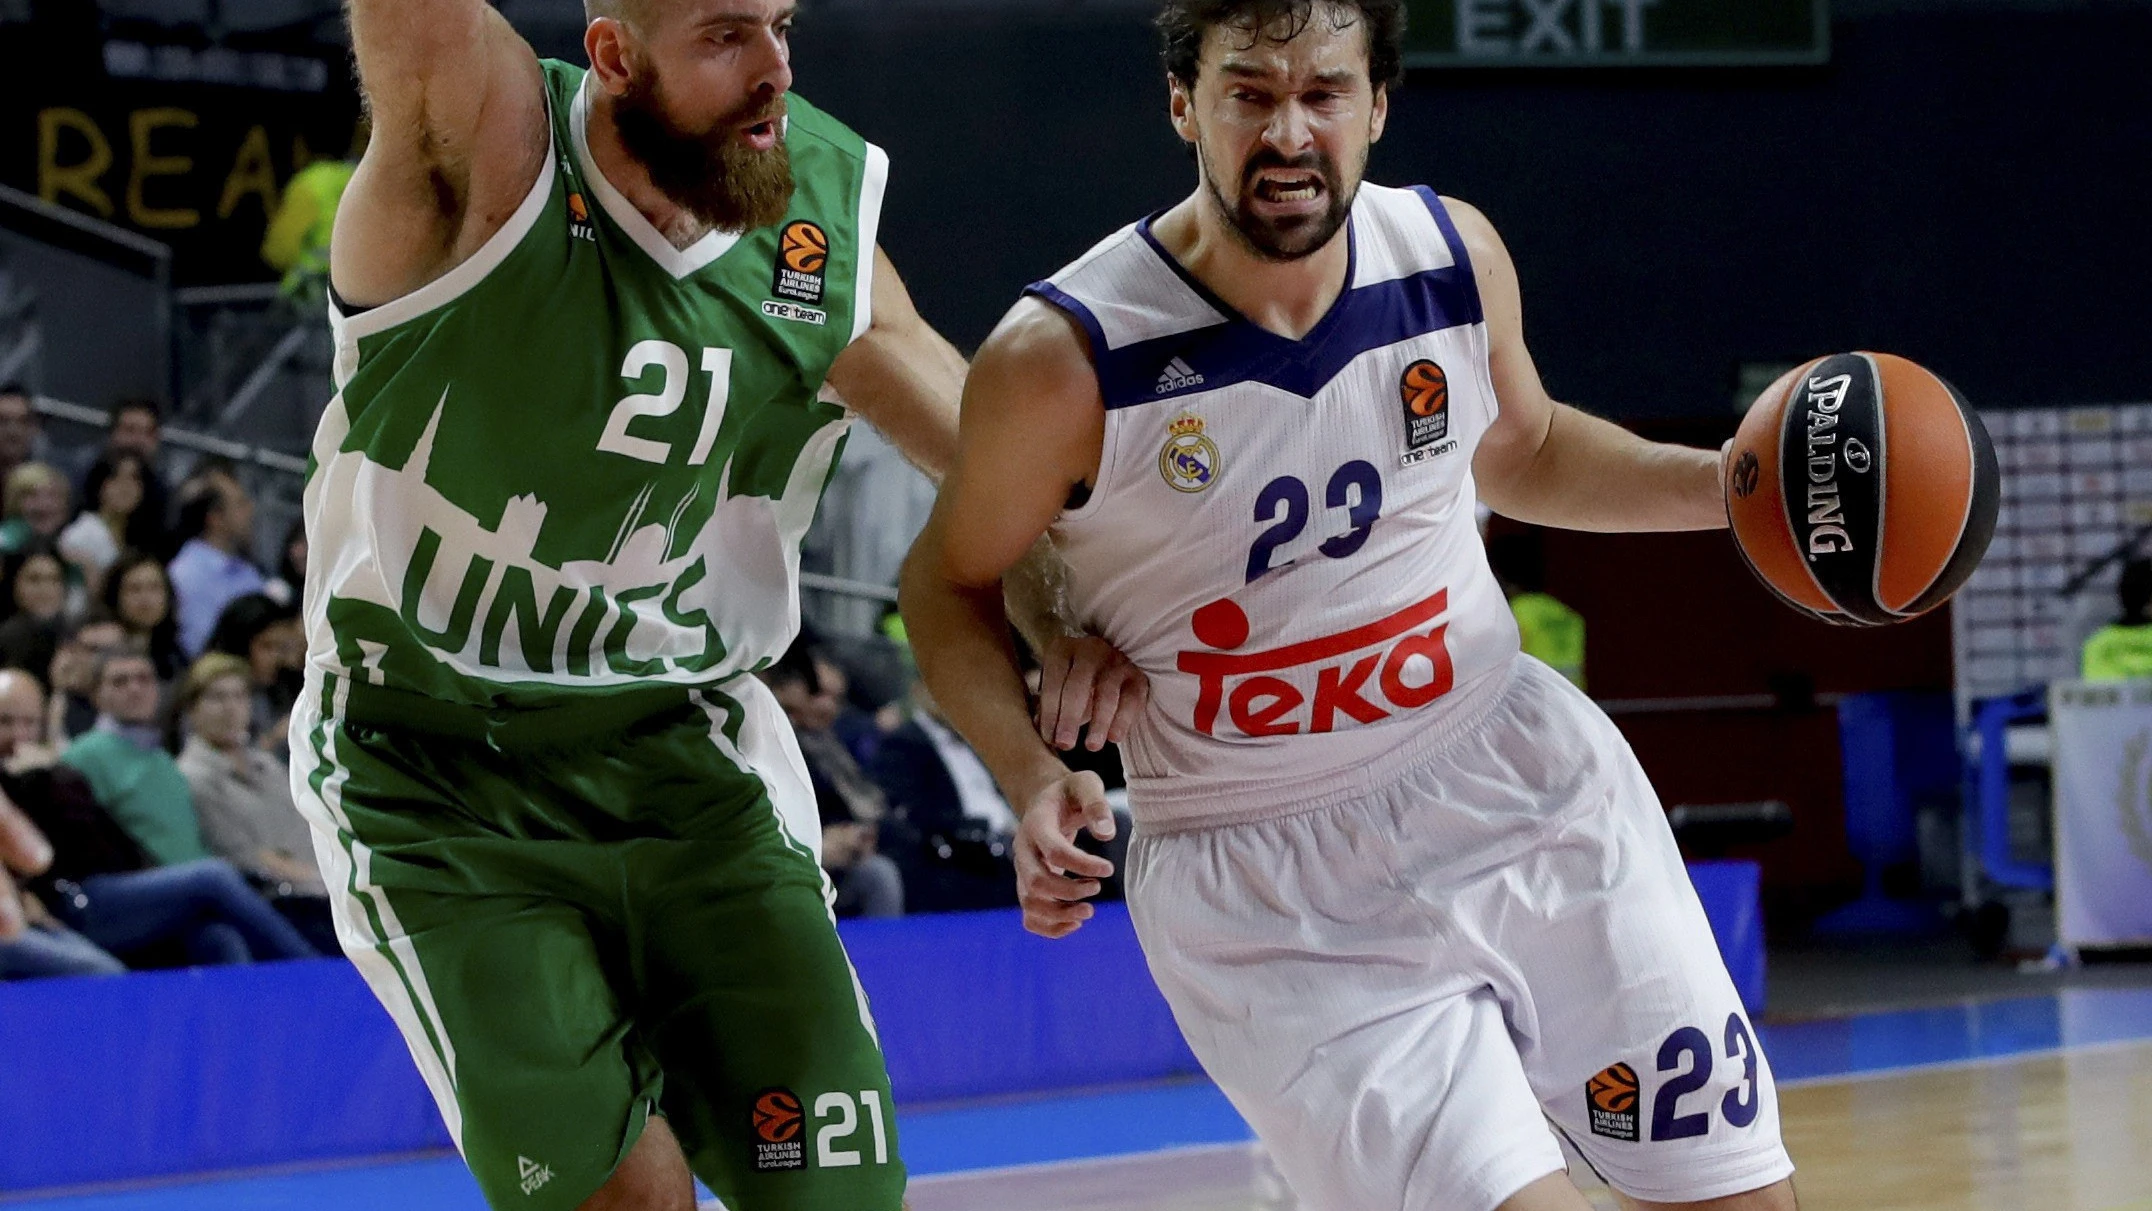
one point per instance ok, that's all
(802, 256)
(1425, 392)
(1611, 1096)
(777, 1121)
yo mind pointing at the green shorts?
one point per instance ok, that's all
(576, 933)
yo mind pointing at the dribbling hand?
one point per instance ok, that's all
(1053, 877)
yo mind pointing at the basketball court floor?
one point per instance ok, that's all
(2039, 1103)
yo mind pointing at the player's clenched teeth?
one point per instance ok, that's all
(1288, 189)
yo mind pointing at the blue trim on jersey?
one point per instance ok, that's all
(1060, 298)
(1239, 350)
(1449, 229)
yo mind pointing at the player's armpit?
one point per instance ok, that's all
(457, 103)
(902, 376)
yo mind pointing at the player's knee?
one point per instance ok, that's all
(653, 1177)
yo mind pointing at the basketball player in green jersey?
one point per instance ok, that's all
(584, 323)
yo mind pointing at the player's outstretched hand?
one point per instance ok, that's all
(1053, 877)
(1083, 679)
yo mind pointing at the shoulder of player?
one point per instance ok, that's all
(1481, 240)
(811, 130)
(1043, 357)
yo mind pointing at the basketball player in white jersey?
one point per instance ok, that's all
(1410, 896)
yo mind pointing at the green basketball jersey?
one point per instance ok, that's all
(580, 464)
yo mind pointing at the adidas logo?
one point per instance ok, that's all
(1178, 374)
(534, 1174)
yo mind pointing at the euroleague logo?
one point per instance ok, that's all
(777, 1121)
(802, 255)
(1611, 1097)
(1425, 392)
(1747, 471)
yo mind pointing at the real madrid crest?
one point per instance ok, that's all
(1189, 460)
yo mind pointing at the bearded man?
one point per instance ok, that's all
(584, 323)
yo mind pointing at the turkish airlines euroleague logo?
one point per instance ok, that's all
(1611, 1097)
(1400, 662)
(777, 1122)
(1425, 392)
(802, 255)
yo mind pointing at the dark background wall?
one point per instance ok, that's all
(1970, 189)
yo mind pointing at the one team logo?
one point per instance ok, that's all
(1425, 393)
(1611, 1097)
(777, 1121)
(1189, 460)
(802, 256)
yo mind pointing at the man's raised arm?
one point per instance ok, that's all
(457, 103)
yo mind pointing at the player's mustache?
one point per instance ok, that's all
(1312, 161)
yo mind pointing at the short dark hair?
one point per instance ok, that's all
(1183, 23)
(108, 657)
(14, 387)
(135, 403)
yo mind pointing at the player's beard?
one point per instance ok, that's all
(1286, 238)
(713, 175)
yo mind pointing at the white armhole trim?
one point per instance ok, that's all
(871, 188)
(456, 282)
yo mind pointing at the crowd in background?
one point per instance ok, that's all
(148, 668)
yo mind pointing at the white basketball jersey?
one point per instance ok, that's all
(1281, 533)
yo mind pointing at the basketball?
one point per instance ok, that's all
(1862, 489)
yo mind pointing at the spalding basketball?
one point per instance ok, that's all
(1862, 489)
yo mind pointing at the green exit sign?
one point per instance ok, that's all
(1616, 33)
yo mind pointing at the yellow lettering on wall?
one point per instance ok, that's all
(77, 180)
(143, 124)
(252, 173)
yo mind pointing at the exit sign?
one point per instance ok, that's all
(1616, 33)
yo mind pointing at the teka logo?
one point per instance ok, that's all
(1748, 469)
(1254, 690)
(802, 255)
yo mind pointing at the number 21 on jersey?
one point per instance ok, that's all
(671, 359)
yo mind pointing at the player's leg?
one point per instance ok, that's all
(774, 1078)
(502, 984)
(1312, 988)
(1775, 1197)
(1633, 1034)
(653, 1177)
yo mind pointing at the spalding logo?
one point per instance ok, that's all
(1858, 459)
(1746, 472)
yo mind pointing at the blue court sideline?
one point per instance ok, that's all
(1123, 1122)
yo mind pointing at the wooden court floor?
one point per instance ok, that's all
(2067, 1131)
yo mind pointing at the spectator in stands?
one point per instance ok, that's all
(296, 243)
(941, 791)
(115, 517)
(138, 595)
(290, 580)
(33, 588)
(33, 942)
(2122, 651)
(21, 436)
(98, 883)
(214, 564)
(137, 428)
(123, 758)
(35, 504)
(72, 711)
(266, 636)
(810, 690)
(242, 795)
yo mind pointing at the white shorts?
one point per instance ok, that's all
(1401, 992)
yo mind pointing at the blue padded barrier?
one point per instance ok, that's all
(236, 1067)
(1733, 900)
(160, 1073)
